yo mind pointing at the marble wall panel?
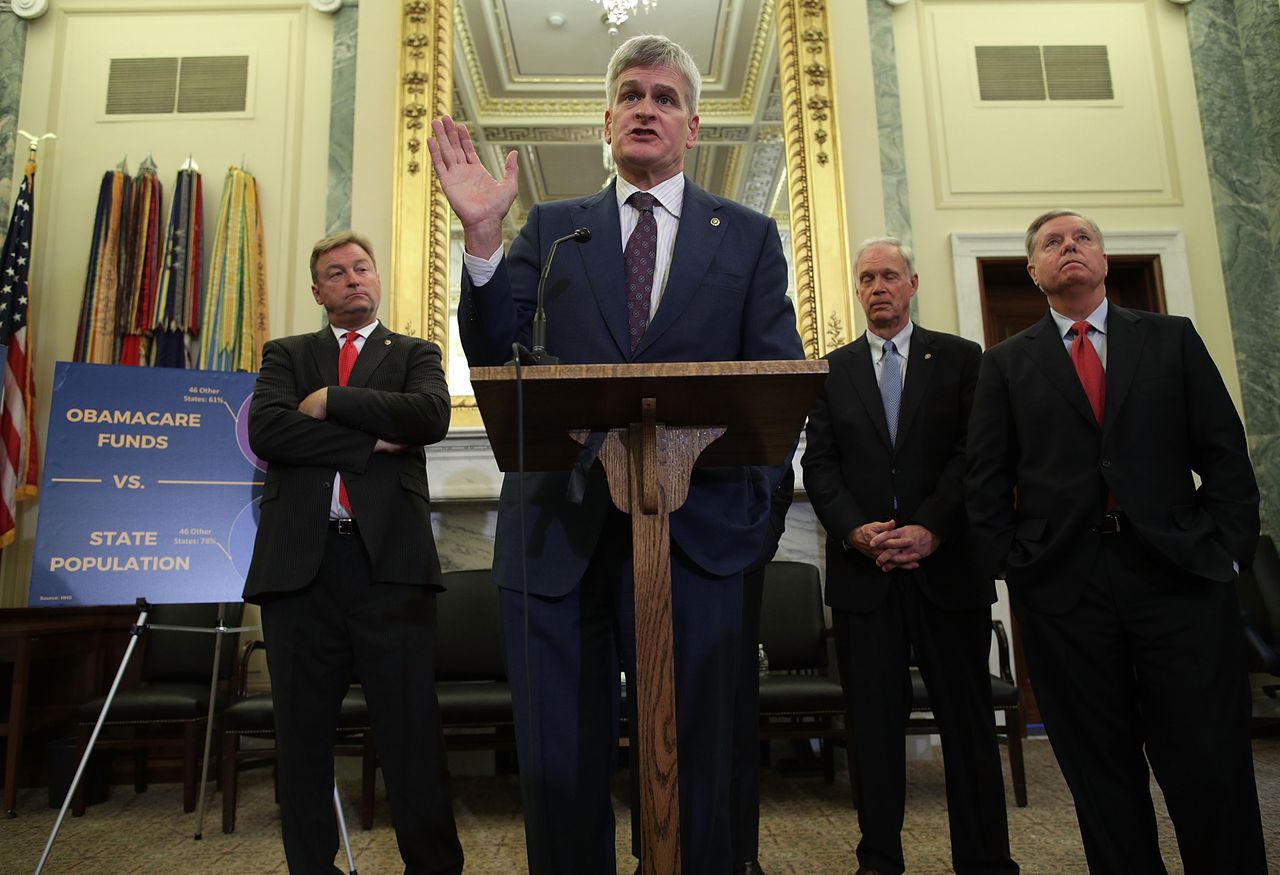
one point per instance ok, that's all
(1237, 74)
(342, 114)
(13, 48)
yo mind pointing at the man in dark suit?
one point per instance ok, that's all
(884, 470)
(700, 279)
(344, 565)
(1088, 431)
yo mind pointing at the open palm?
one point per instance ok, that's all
(480, 201)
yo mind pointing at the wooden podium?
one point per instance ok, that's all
(661, 420)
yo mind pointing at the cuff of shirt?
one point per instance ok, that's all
(481, 270)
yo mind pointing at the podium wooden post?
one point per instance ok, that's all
(661, 420)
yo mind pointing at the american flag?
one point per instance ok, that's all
(20, 461)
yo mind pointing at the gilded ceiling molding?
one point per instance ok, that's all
(488, 106)
(420, 228)
(816, 186)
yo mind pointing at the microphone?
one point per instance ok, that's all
(540, 356)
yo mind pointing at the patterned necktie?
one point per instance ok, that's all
(346, 361)
(1089, 368)
(638, 259)
(891, 387)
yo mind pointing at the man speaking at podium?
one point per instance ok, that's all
(672, 274)
(345, 567)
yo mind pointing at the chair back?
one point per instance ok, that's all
(792, 620)
(180, 656)
(1259, 588)
(469, 628)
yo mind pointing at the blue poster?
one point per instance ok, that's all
(150, 489)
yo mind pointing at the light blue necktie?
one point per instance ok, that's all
(891, 387)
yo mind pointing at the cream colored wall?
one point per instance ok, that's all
(373, 164)
(283, 142)
(859, 135)
(1179, 200)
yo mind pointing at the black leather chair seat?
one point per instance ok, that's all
(782, 695)
(1003, 693)
(153, 703)
(255, 713)
(481, 703)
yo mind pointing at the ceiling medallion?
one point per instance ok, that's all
(617, 12)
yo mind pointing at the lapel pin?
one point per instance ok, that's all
(927, 355)
(715, 222)
(387, 342)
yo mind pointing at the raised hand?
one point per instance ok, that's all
(480, 201)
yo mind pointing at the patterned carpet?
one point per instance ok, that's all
(807, 827)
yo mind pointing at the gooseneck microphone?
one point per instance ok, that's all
(540, 356)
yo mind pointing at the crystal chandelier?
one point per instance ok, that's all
(616, 12)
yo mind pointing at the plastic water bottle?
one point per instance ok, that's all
(764, 662)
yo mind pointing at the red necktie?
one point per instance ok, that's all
(346, 361)
(1089, 369)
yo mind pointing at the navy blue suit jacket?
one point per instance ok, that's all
(725, 300)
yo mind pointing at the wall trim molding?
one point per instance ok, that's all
(967, 248)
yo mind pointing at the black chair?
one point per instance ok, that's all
(471, 674)
(1004, 697)
(1259, 588)
(799, 699)
(250, 715)
(166, 713)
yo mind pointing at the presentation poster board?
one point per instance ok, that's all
(150, 489)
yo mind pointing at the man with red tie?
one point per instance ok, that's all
(1087, 435)
(344, 565)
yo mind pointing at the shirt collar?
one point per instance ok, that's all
(1097, 320)
(901, 342)
(669, 192)
(340, 333)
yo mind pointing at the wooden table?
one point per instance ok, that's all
(31, 635)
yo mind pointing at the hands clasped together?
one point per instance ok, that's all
(892, 547)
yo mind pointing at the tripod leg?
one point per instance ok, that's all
(208, 725)
(134, 634)
(342, 826)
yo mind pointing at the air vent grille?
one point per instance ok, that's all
(1078, 73)
(213, 84)
(1043, 73)
(164, 86)
(141, 85)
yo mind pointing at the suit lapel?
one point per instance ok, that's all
(696, 242)
(323, 347)
(1125, 335)
(1050, 353)
(862, 377)
(376, 347)
(602, 261)
(922, 361)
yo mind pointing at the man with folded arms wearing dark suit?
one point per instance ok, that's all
(672, 274)
(884, 470)
(344, 565)
(1089, 430)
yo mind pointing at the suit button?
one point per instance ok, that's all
(1106, 463)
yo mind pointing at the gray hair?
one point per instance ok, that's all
(652, 50)
(1039, 221)
(903, 249)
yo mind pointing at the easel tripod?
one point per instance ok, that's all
(135, 633)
